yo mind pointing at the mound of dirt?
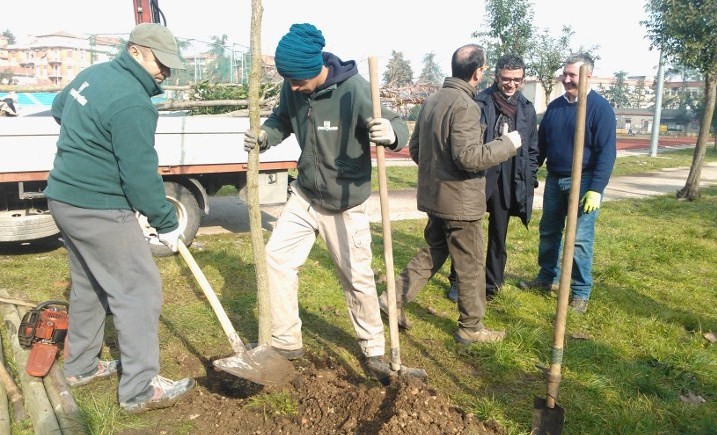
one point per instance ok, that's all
(323, 399)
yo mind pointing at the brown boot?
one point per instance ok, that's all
(483, 335)
(403, 321)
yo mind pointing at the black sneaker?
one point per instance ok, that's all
(540, 285)
(104, 369)
(453, 293)
(375, 368)
(290, 354)
(161, 393)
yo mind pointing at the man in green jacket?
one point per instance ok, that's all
(326, 104)
(447, 144)
(105, 169)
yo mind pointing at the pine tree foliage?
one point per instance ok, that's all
(619, 92)
(398, 71)
(431, 73)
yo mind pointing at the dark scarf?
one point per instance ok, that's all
(505, 108)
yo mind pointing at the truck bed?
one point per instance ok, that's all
(185, 145)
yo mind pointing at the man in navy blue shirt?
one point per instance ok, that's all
(555, 143)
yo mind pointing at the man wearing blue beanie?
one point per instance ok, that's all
(327, 105)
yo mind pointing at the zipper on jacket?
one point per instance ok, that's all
(313, 141)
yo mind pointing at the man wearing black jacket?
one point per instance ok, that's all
(510, 185)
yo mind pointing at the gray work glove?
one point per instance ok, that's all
(380, 131)
(250, 141)
(514, 136)
(171, 239)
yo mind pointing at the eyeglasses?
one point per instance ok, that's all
(483, 68)
(517, 80)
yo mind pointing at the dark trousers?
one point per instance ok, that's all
(497, 252)
(463, 241)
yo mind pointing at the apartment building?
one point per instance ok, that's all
(53, 58)
(638, 118)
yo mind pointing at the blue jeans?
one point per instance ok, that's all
(552, 223)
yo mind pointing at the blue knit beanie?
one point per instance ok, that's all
(298, 55)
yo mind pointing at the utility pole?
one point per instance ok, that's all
(658, 107)
(92, 49)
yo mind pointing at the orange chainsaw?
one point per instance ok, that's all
(43, 331)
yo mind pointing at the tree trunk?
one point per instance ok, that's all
(691, 191)
(252, 178)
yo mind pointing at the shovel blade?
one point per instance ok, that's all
(413, 372)
(262, 365)
(546, 420)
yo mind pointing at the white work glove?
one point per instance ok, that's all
(380, 131)
(171, 239)
(250, 140)
(514, 136)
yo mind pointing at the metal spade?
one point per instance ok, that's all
(262, 365)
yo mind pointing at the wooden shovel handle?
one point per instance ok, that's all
(386, 224)
(556, 356)
(234, 340)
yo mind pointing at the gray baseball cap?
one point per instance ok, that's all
(160, 40)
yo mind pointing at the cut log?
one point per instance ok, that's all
(4, 410)
(36, 401)
(66, 410)
(13, 394)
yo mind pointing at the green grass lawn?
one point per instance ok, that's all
(627, 364)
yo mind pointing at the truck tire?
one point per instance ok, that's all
(188, 214)
(28, 226)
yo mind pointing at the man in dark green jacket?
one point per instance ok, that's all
(447, 144)
(327, 105)
(105, 169)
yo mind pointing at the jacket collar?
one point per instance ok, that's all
(460, 84)
(127, 62)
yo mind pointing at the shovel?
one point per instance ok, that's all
(548, 416)
(396, 365)
(262, 365)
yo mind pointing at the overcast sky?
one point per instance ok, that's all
(356, 30)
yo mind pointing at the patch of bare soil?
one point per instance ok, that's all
(330, 401)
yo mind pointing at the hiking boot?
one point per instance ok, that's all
(290, 354)
(579, 305)
(453, 293)
(104, 369)
(403, 321)
(161, 393)
(491, 292)
(540, 285)
(483, 335)
(375, 368)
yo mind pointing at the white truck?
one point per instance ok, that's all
(198, 155)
